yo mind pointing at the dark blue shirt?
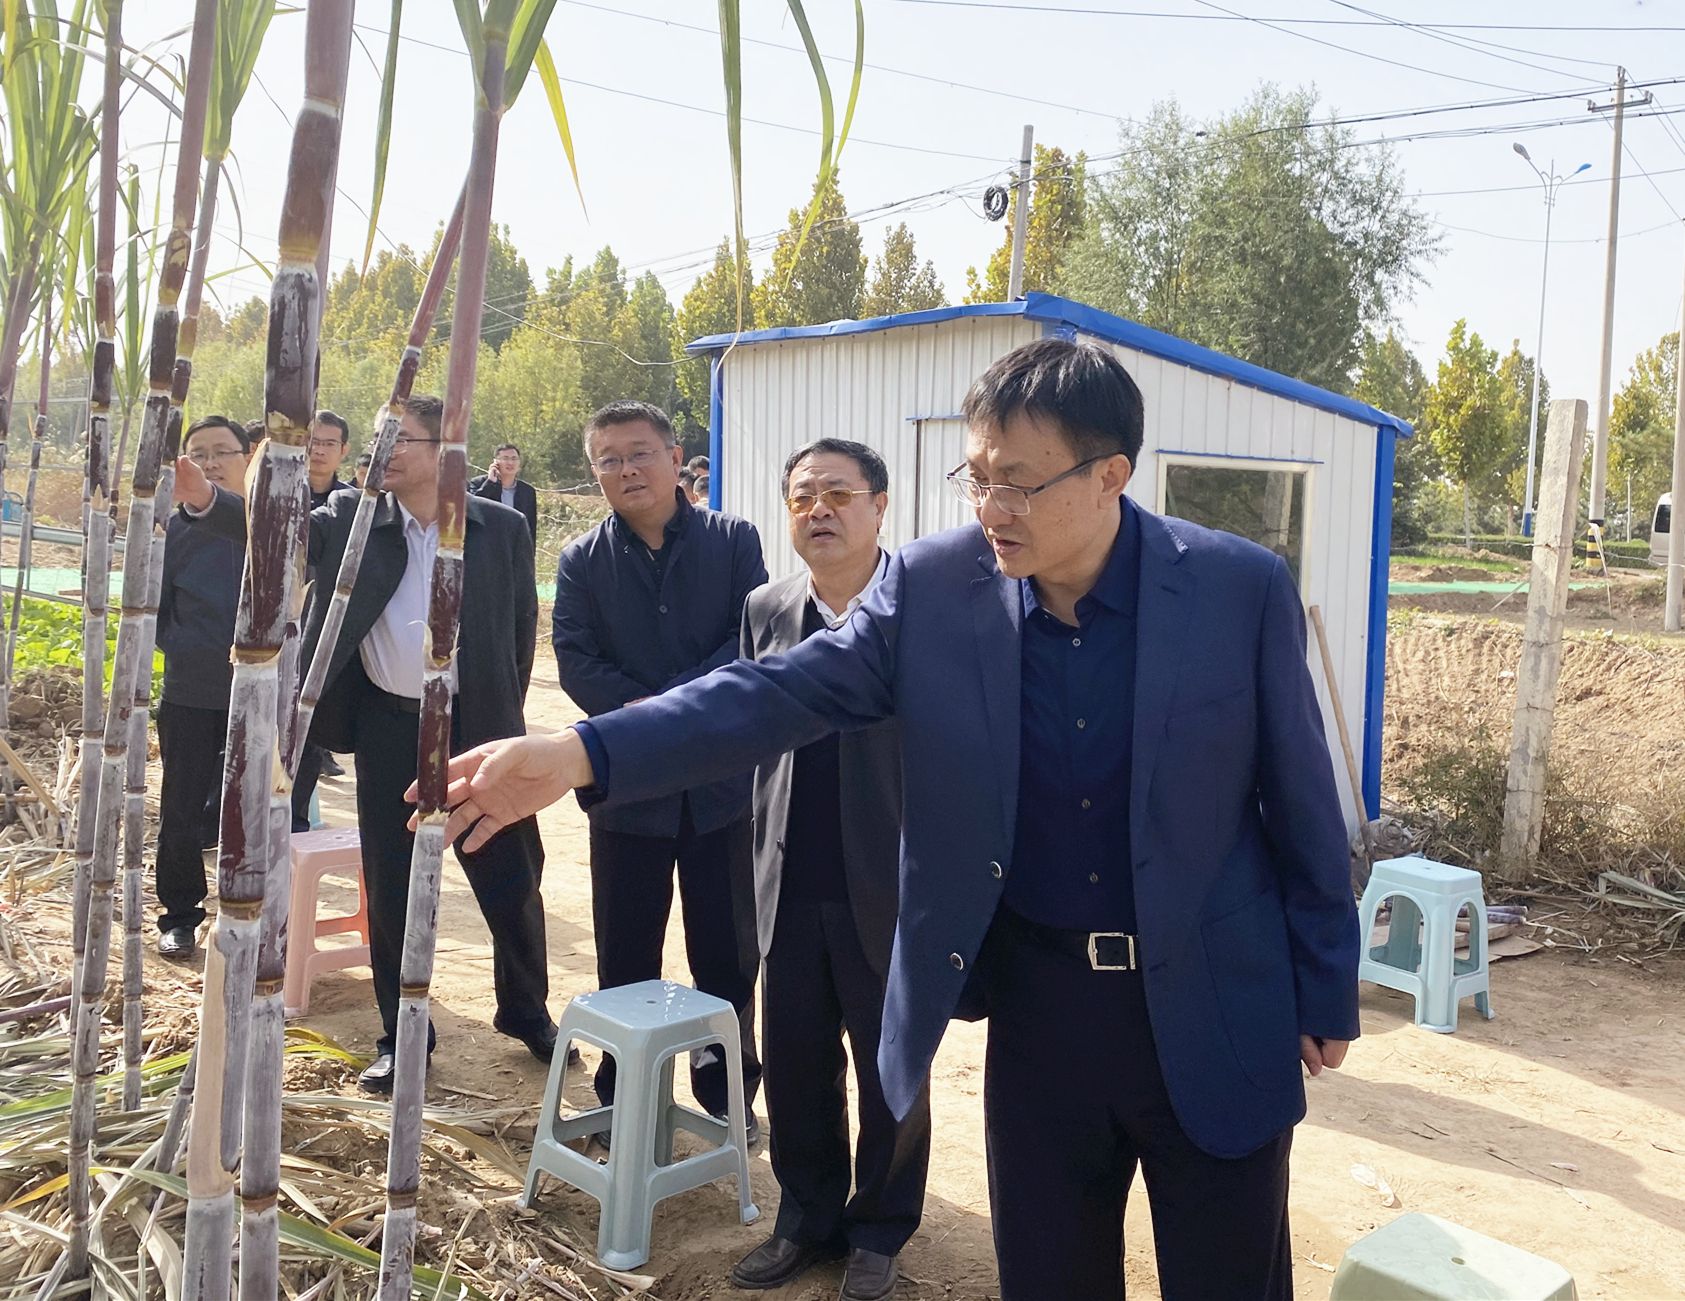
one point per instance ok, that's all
(630, 622)
(1070, 860)
(197, 602)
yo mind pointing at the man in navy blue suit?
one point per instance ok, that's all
(1121, 836)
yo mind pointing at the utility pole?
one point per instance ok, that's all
(1676, 533)
(1600, 413)
(1021, 219)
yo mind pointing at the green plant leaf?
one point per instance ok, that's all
(383, 126)
(526, 35)
(731, 67)
(558, 110)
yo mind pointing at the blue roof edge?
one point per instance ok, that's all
(1090, 320)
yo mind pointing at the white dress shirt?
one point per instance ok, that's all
(394, 648)
(834, 620)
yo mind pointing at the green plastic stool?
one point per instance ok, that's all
(1424, 1258)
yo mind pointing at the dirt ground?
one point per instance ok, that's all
(1559, 1126)
(1624, 601)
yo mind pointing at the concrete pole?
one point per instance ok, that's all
(1676, 533)
(1600, 436)
(1021, 219)
(1541, 645)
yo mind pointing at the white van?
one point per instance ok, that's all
(1660, 525)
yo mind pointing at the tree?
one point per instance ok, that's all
(898, 283)
(508, 290)
(1058, 210)
(1464, 415)
(1641, 422)
(528, 394)
(1505, 492)
(710, 306)
(1262, 234)
(641, 335)
(825, 282)
(1391, 379)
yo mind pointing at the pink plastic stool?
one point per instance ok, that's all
(333, 851)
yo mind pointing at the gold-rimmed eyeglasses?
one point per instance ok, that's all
(802, 503)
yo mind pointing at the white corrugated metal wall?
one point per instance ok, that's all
(899, 391)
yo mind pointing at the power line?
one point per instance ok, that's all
(1533, 239)
(1427, 30)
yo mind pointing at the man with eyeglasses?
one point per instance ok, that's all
(197, 603)
(827, 859)
(649, 599)
(371, 706)
(1121, 837)
(330, 436)
(504, 484)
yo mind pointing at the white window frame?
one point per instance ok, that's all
(1221, 460)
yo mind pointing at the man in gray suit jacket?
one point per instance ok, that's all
(831, 810)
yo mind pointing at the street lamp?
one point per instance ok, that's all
(1551, 181)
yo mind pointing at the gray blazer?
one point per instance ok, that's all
(870, 761)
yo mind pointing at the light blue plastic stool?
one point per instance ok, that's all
(646, 1026)
(316, 823)
(1424, 1258)
(1427, 895)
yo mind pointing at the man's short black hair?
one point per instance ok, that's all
(1078, 386)
(686, 478)
(872, 467)
(626, 411)
(427, 408)
(697, 465)
(326, 417)
(221, 422)
(506, 447)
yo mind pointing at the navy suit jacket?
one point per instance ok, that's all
(1238, 847)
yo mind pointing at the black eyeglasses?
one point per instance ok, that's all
(1009, 497)
(401, 442)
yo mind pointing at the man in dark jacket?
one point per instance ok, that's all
(830, 813)
(504, 484)
(371, 705)
(652, 597)
(196, 607)
(330, 439)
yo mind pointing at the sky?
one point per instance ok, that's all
(942, 108)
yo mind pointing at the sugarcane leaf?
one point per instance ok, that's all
(827, 112)
(326, 1243)
(526, 34)
(558, 110)
(731, 67)
(383, 126)
(240, 29)
(53, 1185)
(854, 81)
(468, 19)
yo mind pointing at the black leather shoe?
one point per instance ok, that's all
(869, 1276)
(179, 943)
(540, 1042)
(778, 1260)
(751, 1126)
(331, 767)
(377, 1078)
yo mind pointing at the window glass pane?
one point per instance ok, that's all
(1267, 506)
(1664, 518)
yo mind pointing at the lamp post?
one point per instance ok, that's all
(1551, 181)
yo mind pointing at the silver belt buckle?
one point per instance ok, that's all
(1094, 962)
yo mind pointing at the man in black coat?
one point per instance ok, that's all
(370, 706)
(504, 484)
(652, 597)
(831, 813)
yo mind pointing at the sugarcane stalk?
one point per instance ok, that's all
(26, 526)
(403, 1167)
(273, 572)
(136, 582)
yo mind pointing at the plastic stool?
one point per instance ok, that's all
(1424, 1258)
(645, 1026)
(336, 851)
(1431, 895)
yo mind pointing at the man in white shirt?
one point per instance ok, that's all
(827, 859)
(371, 705)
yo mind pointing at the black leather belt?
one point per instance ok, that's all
(1102, 950)
(397, 704)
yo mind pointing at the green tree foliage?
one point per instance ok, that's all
(826, 281)
(1641, 425)
(1058, 210)
(1502, 496)
(1390, 378)
(898, 283)
(710, 306)
(1261, 234)
(1465, 415)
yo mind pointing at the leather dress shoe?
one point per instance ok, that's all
(179, 943)
(869, 1276)
(332, 767)
(540, 1041)
(778, 1260)
(377, 1076)
(751, 1126)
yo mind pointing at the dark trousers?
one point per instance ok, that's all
(504, 875)
(631, 896)
(1073, 1102)
(190, 742)
(304, 785)
(819, 984)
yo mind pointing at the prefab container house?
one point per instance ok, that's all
(1305, 472)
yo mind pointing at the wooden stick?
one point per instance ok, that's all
(1352, 776)
(30, 779)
